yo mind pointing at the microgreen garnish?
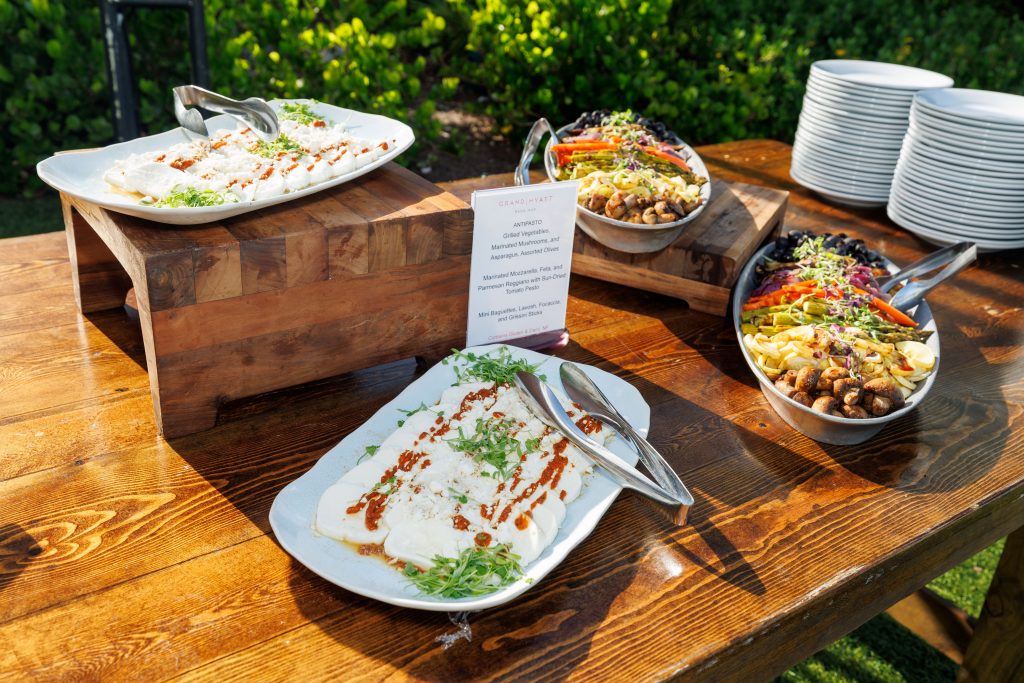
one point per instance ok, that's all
(390, 482)
(299, 112)
(493, 442)
(500, 369)
(476, 571)
(368, 453)
(461, 497)
(282, 145)
(191, 197)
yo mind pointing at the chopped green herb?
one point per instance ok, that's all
(282, 145)
(461, 497)
(390, 482)
(493, 442)
(488, 368)
(368, 453)
(299, 112)
(476, 571)
(191, 197)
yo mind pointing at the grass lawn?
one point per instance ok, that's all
(880, 651)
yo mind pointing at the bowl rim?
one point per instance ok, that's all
(705, 189)
(922, 310)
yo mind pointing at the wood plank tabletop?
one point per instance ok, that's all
(124, 556)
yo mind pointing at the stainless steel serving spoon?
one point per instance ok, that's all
(543, 403)
(254, 112)
(589, 396)
(958, 256)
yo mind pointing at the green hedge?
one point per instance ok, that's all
(713, 69)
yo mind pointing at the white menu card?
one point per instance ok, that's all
(522, 253)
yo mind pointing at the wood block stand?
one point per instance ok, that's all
(369, 272)
(703, 264)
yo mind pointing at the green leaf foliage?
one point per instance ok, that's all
(712, 70)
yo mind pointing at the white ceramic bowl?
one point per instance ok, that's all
(826, 428)
(630, 237)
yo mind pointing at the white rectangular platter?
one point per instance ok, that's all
(80, 174)
(292, 513)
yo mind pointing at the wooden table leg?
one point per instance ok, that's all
(996, 652)
(100, 281)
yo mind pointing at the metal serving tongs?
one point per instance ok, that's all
(254, 112)
(589, 396)
(533, 138)
(543, 403)
(958, 256)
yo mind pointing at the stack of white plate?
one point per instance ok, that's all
(854, 116)
(961, 171)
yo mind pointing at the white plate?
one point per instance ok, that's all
(827, 428)
(927, 120)
(929, 234)
(838, 197)
(951, 218)
(1007, 166)
(880, 74)
(844, 163)
(846, 149)
(857, 105)
(858, 138)
(842, 183)
(901, 97)
(929, 156)
(975, 128)
(81, 174)
(960, 181)
(977, 147)
(292, 514)
(951, 198)
(954, 226)
(840, 176)
(857, 98)
(862, 120)
(984, 106)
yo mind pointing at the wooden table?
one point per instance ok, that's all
(126, 556)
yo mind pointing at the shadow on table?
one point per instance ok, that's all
(121, 326)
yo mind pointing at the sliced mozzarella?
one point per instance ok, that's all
(419, 541)
(332, 518)
(154, 179)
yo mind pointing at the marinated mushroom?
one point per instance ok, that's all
(824, 404)
(886, 388)
(854, 412)
(807, 379)
(848, 390)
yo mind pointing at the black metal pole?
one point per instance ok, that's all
(119, 69)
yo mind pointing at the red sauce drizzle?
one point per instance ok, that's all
(319, 124)
(408, 459)
(471, 398)
(460, 522)
(219, 144)
(561, 495)
(290, 168)
(374, 502)
(182, 164)
(439, 420)
(371, 549)
(384, 146)
(522, 521)
(482, 539)
(559, 447)
(588, 425)
(267, 173)
(161, 157)
(310, 167)
(552, 473)
(498, 414)
(425, 464)
(540, 500)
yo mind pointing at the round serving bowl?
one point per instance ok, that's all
(827, 428)
(615, 234)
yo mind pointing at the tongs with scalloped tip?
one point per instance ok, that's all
(958, 256)
(254, 112)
